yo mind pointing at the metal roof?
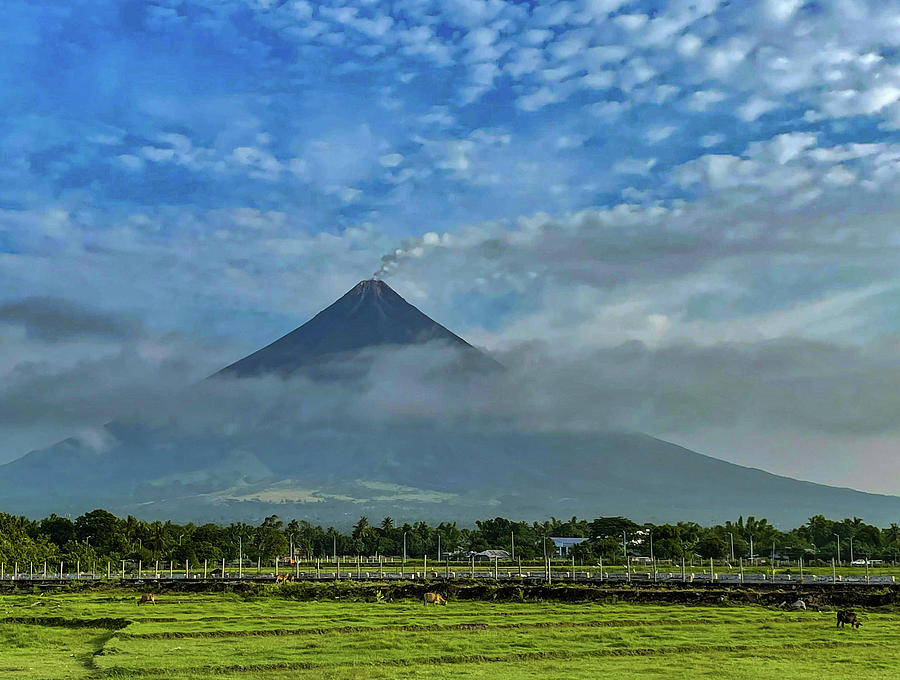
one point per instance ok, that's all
(561, 541)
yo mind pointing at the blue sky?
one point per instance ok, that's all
(697, 178)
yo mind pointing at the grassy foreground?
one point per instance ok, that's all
(105, 634)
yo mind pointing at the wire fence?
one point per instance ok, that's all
(366, 569)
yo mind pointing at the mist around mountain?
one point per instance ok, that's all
(371, 408)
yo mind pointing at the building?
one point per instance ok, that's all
(564, 544)
(492, 555)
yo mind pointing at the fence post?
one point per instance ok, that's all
(60, 571)
(187, 573)
(204, 568)
(381, 566)
(108, 570)
(741, 565)
(139, 569)
(156, 570)
(833, 572)
(45, 568)
(425, 568)
(601, 569)
(223, 567)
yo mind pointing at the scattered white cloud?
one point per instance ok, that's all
(634, 166)
(391, 160)
(657, 134)
(707, 141)
(754, 108)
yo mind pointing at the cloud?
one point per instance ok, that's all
(762, 252)
(707, 141)
(57, 320)
(754, 108)
(684, 390)
(657, 134)
(539, 99)
(634, 166)
(702, 100)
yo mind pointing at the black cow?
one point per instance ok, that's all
(846, 616)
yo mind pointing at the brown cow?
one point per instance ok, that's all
(846, 616)
(147, 598)
(283, 578)
(433, 598)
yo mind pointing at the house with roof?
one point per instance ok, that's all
(500, 555)
(564, 544)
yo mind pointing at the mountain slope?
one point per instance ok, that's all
(266, 456)
(369, 315)
(415, 472)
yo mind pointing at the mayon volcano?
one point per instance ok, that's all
(372, 408)
(369, 316)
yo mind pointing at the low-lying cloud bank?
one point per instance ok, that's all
(684, 391)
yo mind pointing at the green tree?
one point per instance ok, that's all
(101, 529)
(60, 530)
(711, 546)
(611, 527)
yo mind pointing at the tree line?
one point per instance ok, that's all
(99, 536)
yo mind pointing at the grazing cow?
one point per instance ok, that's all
(283, 578)
(147, 598)
(846, 616)
(433, 598)
(799, 604)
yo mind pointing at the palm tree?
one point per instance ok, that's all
(361, 528)
(159, 537)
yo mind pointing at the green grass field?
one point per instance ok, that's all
(105, 634)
